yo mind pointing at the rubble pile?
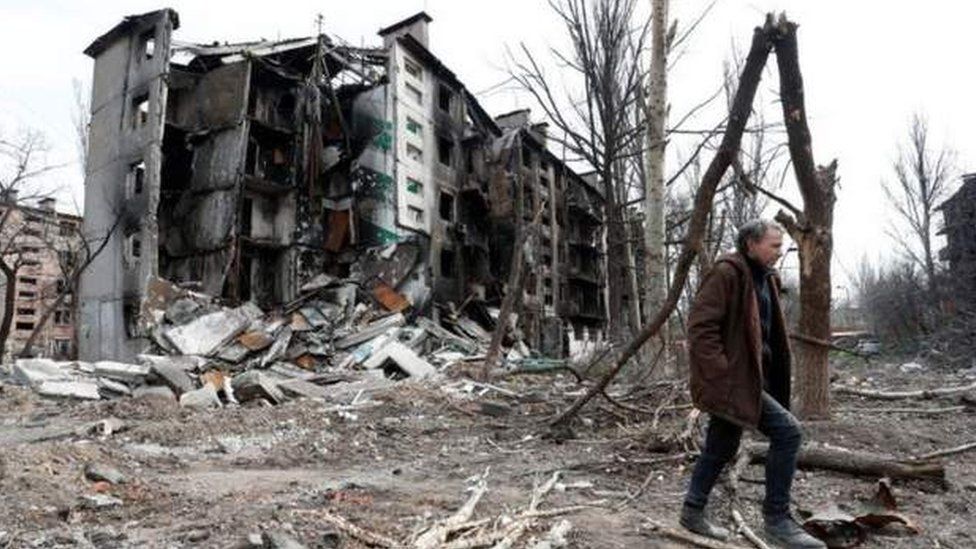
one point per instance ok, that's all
(334, 341)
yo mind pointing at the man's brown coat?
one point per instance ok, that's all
(725, 344)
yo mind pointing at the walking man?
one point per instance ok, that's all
(740, 375)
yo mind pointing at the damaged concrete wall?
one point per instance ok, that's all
(128, 106)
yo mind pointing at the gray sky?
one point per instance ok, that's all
(866, 65)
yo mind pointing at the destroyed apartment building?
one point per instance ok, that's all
(959, 228)
(247, 171)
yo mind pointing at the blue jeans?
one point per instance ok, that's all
(722, 442)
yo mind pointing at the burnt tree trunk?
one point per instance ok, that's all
(811, 229)
(705, 195)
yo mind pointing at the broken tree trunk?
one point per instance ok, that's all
(727, 151)
(811, 229)
(897, 395)
(857, 463)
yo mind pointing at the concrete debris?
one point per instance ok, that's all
(34, 371)
(100, 501)
(120, 371)
(87, 390)
(397, 356)
(256, 385)
(96, 472)
(203, 335)
(110, 387)
(280, 540)
(155, 393)
(205, 397)
(174, 377)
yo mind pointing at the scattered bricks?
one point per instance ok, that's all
(96, 473)
(203, 398)
(213, 377)
(256, 385)
(255, 340)
(174, 377)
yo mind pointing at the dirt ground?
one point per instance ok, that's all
(402, 458)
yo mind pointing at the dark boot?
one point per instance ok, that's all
(785, 531)
(695, 520)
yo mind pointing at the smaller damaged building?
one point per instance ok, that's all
(959, 228)
(244, 171)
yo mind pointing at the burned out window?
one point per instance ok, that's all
(140, 111)
(66, 228)
(448, 263)
(25, 326)
(130, 318)
(27, 280)
(415, 153)
(444, 97)
(415, 214)
(445, 150)
(136, 178)
(447, 206)
(148, 41)
(247, 214)
(62, 347)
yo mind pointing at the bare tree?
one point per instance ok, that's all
(22, 161)
(922, 177)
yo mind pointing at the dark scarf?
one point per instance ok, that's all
(760, 279)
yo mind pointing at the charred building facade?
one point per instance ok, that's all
(246, 170)
(959, 215)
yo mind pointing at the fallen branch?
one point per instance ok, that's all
(688, 537)
(747, 532)
(826, 344)
(920, 411)
(947, 452)
(737, 470)
(858, 463)
(437, 534)
(363, 535)
(896, 395)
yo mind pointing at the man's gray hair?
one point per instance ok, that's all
(753, 231)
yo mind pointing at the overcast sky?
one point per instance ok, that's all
(867, 67)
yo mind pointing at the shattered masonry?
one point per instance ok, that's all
(245, 170)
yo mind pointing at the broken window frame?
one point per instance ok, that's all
(147, 44)
(414, 127)
(415, 153)
(135, 180)
(413, 68)
(449, 210)
(445, 97)
(417, 215)
(445, 151)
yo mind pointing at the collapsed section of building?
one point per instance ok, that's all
(959, 228)
(246, 170)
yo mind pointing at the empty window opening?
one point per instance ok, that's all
(26, 295)
(447, 206)
(445, 150)
(286, 106)
(135, 247)
(414, 186)
(413, 69)
(416, 95)
(25, 326)
(247, 213)
(62, 317)
(149, 44)
(66, 228)
(444, 96)
(137, 178)
(526, 157)
(31, 232)
(447, 263)
(130, 318)
(415, 153)
(24, 311)
(27, 280)
(62, 347)
(415, 214)
(140, 111)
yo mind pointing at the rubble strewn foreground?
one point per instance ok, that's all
(331, 341)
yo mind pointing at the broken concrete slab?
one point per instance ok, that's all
(256, 385)
(87, 390)
(303, 389)
(205, 334)
(203, 398)
(314, 317)
(34, 371)
(97, 472)
(404, 358)
(435, 329)
(187, 363)
(174, 377)
(183, 310)
(112, 387)
(372, 330)
(121, 371)
(234, 353)
(155, 392)
(286, 370)
(279, 348)
(318, 282)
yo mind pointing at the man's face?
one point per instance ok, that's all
(768, 249)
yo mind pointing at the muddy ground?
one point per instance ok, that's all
(403, 458)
